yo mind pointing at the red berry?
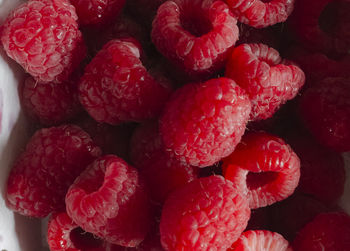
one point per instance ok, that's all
(322, 25)
(325, 109)
(261, 240)
(97, 12)
(64, 234)
(163, 173)
(116, 87)
(264, 167)
(206, 214)
(261, 13)
(51, 161)
(290, 215)
(195, 35)
(268, 80)
(322, 170)
(329, 231)
(109, 200)
(202, 123)
(43, 37)
(50, 103)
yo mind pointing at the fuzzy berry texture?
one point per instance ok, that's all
(261, 13)
(163, 172)
(261, 240)
(268, 80)
(195, 35)
(203, 122)
(43, 37)
(325, 110)
(292, 214)
(42, 174)
(50, 103)
(110, 200)
(206, 214)
(330, 231)
(322, 25)
(63, 234)
(322, 170)
(116, 87)
(97, 12)
(264, 168)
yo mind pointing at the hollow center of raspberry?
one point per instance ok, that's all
(83, 240)
(256, 180)
(195, 22)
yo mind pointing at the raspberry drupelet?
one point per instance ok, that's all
(42, 174)
(195, 35)
(261, 13)
(203, 122)
(43, 37)
(268, 80)
(116, 87)
(264, 168)
(110, 200)
(206, 214)
(97, 12)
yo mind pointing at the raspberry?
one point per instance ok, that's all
(43, 37)
(162, 171)
(50, 103)
(322, 25)
(97, 12)
(269, 81)
(330, 231)
(116, 87)
(202, 123)
(261, 13)
(51, 161)
(264, 167)
(65, 235)
(325, 109)
(290, 215)
(206, 214)
(261, 240)
(109, 200)
(195, 35)
(322, 170)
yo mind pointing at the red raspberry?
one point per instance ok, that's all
(195, 35)
(109, 200)
(290, 215)
(50, 103)
(268, 80)
(64, 234)
(151, 243)
(206, 214)
(322, 170)
(116, 87)
(43, 37)
(261, 13)
(97, 12)
(330, 232)
(264, 167)
(261, 240)
(202, 123)
(52, 159)
(325, 109)
(322, 25)
(162, 171)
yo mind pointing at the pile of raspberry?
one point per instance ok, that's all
(183, 124)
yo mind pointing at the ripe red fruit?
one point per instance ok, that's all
(206, 214)
(110, 200)
(203, 122)
(43, 37)
(264, 168)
